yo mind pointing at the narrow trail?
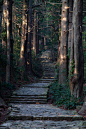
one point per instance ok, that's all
(29, 108)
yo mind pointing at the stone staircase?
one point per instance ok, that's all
(36, 92)
(28, 108)
(30, 94)
(48, 65)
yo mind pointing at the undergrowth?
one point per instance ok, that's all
(36, 66)
(61, 96)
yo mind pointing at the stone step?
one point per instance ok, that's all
(30, 91)
(37, 85)
(39, 95)
(47, 65)
(41, 112)
(18, 99)
(46, 81)
(49, 69)
(28, 102)
(53, 118)
(29, 97)
(50, 79)
(49, 74)
(23, 98)
(43, 124)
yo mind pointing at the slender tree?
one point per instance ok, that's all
(34, 32)
(4, 20)
(63, 44)
(1, 5)
(23, 38)
(8, 45)
(37, 50)
(11, 37)
(76, 68)
(29, 56)
(70, 22)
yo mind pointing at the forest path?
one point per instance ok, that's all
(29, 108)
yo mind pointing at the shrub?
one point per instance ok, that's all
(61, 96)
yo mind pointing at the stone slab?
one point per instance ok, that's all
(42, 112)
(47, 79)
(28, 97)
(37, 85)
(31, 91)
(41, 124)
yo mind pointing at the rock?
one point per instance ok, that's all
(8, 110)
(82, 111)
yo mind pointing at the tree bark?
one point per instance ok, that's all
(63, 45)
(1, 19)
(4, 20)
(11, 37)
(37, 51)
(29, 55)
(76, 66)
(70, 22)
(34, 33)
(23, 38)
(8, 45)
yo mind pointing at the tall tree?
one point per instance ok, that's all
(23, 38)
(29, 55)
(37, 49)
(1, 5)
(63, 44)
(34, 32)
(8, 45)
(4, 20)
(76, 68)
(11, 37)
(70, 22)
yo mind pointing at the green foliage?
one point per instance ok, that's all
(36, 65)
(72, 68)
(16, 72)
(61, 96)
(84, 20)
(57, 71)
(1, 2)
(3, 61)
(7, 86)
(84, 88)
(84, 50)
(4, 33)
